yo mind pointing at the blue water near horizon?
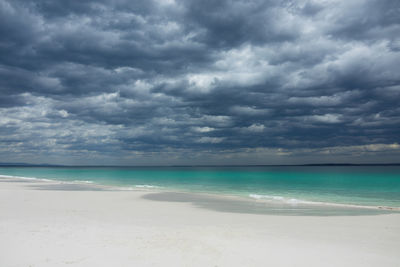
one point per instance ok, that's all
(356, 185)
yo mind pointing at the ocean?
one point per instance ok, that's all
(349, 185)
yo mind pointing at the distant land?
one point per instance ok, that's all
(21, 164)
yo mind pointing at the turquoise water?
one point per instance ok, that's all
(360, 185)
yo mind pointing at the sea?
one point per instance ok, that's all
(369, 186)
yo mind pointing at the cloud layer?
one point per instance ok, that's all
(186, 82)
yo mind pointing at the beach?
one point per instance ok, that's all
(49, 223)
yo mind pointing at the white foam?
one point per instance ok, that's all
(291, 201)
(294, 201)
(26, 178)
(256, 196)
(146, 186)
(83, 181)
(47, 180)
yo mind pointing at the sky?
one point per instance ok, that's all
(186, 82)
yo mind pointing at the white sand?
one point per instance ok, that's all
(120, 228)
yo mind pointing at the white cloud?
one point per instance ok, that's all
(256, 128)
(63, 113)
(326, 118)
(211, 140)
(203, 129)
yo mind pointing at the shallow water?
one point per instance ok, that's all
(359, 185)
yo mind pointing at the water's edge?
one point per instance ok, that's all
(151, 189)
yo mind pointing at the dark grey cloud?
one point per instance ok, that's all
(170, 81)
(227, 24)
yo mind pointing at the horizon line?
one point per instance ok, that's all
(199, 165)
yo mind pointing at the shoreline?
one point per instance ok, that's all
(277, 200)
(45, 224)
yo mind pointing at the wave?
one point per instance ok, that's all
(46, 180)
(146, 186)
(89, 182)
(294, 201)
(83, 181)
(283, 199)
(256, 196)
(134, 188)
(26, 178)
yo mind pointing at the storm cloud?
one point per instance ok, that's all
(199, 82)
